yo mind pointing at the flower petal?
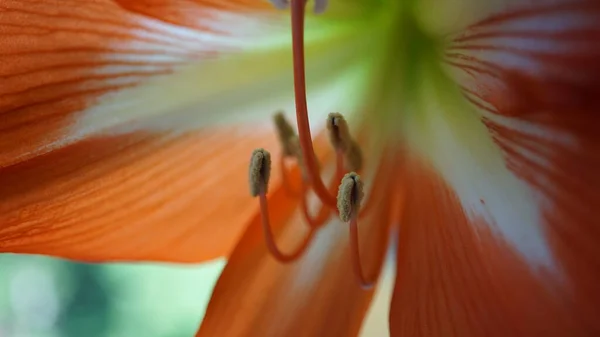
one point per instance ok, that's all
(457, 277)
(244, 87)
(175, 197)
(59, 57)
(315, 296)
(193, 13)
(445, 17)
(94, 76)
(65, 67)
(509, 187)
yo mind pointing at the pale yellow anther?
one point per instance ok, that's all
(259, 172)
(350, 195)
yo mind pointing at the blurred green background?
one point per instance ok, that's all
(45, 297)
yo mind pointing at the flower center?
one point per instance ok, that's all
(299, 147)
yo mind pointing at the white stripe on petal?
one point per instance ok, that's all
(450, 134)
(236, 88)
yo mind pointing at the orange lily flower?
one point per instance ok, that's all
(128, 127)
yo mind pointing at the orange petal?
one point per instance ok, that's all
(58, 59)
(534, 77)
(316, 295)
(138, 197)
(538, 87)
(443, 17)
(191, 12)
(67, 196)
(457, 276)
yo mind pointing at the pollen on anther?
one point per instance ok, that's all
(287, 135)
(340, 139)
(259, 172)
(350, 195)
(339, 134)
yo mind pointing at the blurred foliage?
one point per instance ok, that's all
(46, 297)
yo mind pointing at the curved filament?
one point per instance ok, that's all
(320, 219)
(270, 238)
(324, 210)
(365, 283)
(285, 179)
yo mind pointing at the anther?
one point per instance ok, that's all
(350, 195)
(290, 144)
(287, 136)
(339, 136)
(259, 172)
(284, 128)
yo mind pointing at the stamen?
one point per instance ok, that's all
(350, 196)
(270, 238)
(339, 136)
(324, 212)
(287, 136)
(290, 143)
(312, 170)
(285, 179)
(355, 256)
(260, 171)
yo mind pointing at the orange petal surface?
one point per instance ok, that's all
(533, 76)
(58, 57)
(101, 195)
(190, 12)
(457, 277)
(174, 197)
